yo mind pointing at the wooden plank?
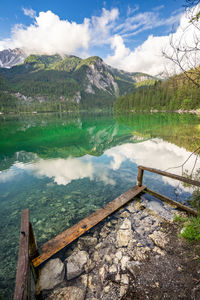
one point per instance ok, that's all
(23, 271)
(170, 201)
(68, 236)
(174, 176)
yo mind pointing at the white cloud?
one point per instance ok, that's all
(29, 12)
(48, 34)
(148, 57)
(154, 153)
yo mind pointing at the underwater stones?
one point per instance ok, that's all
(125, 214)
(159, 239)
(50, 275)
(87, 241)
(75, 264)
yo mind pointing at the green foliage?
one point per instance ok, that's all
(192, 230)
(88, 61)
(180, 219)
(68, 64)
(42, 61)
(148, 82)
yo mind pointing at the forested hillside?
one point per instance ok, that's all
(52, 83)
(172, 94)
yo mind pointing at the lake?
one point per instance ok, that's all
(65, 166)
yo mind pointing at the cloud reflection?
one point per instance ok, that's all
(63, 171)
(154, 153)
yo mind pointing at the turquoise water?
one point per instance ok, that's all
(64, 167)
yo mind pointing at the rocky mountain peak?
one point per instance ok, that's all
(11, 57)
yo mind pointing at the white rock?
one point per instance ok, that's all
(75, 264)
(124, 261)
(126, 224)
(119, 254)
(50, 275)
(123, 237)
(124, 279)
(113, 269)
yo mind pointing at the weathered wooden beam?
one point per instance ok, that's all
(174, 176)
(68, 236)
(173, 202)
(23, 270)
(33, 248)
(140, 177)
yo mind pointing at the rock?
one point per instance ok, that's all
(123, 290)
(106, 289)
(124, 279)
(114, 222)
(98, 246)
(109, 225)
(102, 273)
(159, 239)
(119, 254)
(140, 253)
(125, 214)
(124, 233)
(133, 267)
(113, 269)
(108, 258)
(68, 293)
(138, 205)
(96, 256)
(118, 277)
(124, 261)
(90, 284)
(89, 266)
(75, 264)
(159, 251)
(131, 208)
(51, 275)
(87, 242)
(126, 224)
(123, 237)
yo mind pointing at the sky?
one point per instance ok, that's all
(128, 35)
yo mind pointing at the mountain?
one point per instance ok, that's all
(52, 82)
(11, 57)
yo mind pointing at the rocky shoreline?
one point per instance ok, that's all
(134, 254)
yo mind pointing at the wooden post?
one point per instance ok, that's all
(140, 176)
(22, 285)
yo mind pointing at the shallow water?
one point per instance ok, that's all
(64, 167)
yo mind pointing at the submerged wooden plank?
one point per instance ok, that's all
(23, 276)
(170, 201)
(171, 175)
(68, 236)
